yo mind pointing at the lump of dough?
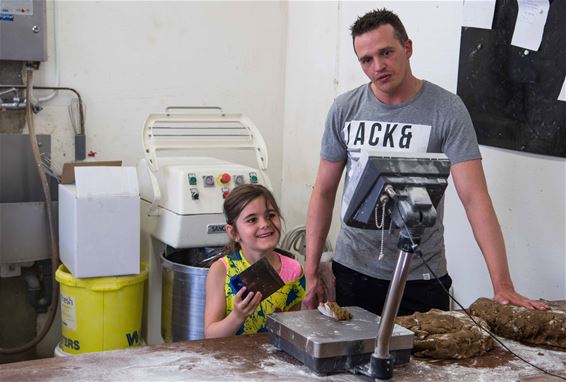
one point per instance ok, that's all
(537, 327)
(333, 310)
(446, 335)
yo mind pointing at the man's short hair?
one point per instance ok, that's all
(377, 18)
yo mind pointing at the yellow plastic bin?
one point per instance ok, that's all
(101, 313)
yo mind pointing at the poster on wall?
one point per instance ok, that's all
(514, 93)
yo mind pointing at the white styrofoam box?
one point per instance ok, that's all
(99, 222)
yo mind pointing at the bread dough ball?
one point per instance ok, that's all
(446, 335)
(537, 327)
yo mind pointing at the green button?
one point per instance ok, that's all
(192, 180)
(253, 178)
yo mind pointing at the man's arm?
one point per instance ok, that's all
(319, 218)
(471, 186)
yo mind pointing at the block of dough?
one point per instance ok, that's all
(446, 335)
(537, 327)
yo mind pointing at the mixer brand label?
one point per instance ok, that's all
(215, 228)
(68, 312)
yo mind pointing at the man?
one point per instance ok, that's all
(397, 112)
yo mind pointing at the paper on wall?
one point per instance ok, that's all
(529, 26)
(478, 13)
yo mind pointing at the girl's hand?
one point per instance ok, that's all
(244, 307)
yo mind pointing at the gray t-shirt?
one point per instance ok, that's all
(434, 121)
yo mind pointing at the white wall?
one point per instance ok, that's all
(528, 193)
(528, 190)
(310, 87)
(129, 59)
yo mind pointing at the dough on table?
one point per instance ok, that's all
(537, 327)
(446, 335)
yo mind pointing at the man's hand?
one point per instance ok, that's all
(315, 292)
(509, 296)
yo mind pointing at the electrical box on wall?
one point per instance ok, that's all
(22, 30)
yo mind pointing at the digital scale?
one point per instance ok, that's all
(405, 188)
(326, 345)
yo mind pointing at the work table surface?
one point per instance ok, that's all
(252, 357)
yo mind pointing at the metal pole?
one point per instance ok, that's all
(381, 365)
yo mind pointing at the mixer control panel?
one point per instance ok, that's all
(200, 186)
(224, 180)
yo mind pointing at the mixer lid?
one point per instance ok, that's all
(184, 128)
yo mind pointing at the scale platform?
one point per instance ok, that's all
(326, 345)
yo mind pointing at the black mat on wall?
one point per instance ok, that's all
(512, 93)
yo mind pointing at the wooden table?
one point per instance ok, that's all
(254, 358)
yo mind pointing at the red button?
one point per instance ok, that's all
(225, 194)
(225, 178)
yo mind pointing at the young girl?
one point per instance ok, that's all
(254, 228)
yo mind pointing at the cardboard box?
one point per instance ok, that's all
(99, 222)
(68, 176)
